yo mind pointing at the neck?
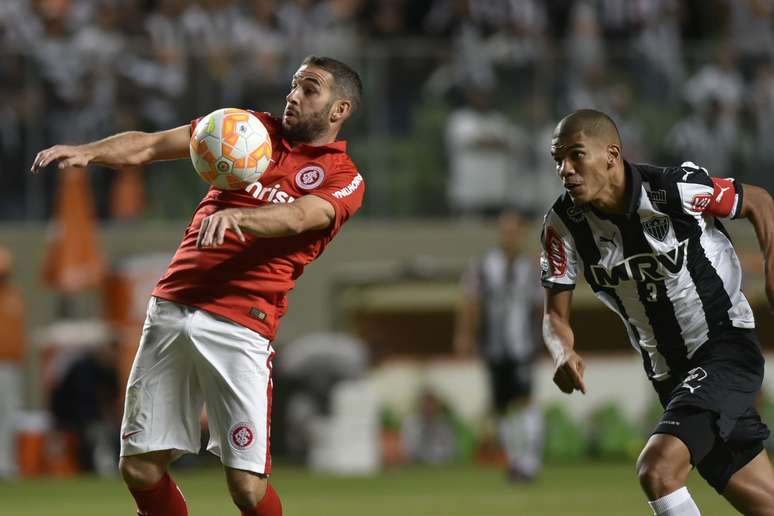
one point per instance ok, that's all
(612, 198)
(323, 138)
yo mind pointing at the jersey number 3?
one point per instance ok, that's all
(652, 294)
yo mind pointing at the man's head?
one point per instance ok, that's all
(512, 225)
(324, 93)
(586, 146)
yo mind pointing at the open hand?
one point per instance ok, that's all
(568, 375)
(214, 226)
(67, 155)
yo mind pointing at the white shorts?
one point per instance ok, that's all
(188, 358)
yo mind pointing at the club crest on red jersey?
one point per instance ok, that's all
(241, 436)
(310, 177)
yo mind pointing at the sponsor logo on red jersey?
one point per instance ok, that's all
(557, 257)
(310, 177)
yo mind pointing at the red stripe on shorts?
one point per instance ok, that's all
(267, 467)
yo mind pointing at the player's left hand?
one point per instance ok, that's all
(214, 227)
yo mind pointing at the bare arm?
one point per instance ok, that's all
(123, 149)
(466, 325)
(758, 208)
(272, 220)
(560, 341)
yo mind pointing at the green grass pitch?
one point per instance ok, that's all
(592, 489)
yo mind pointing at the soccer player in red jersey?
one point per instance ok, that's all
(212, 316)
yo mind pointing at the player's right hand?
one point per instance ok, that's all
(568, 375)
(66, 155)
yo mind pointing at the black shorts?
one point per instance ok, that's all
(510, 381)
(711, 406)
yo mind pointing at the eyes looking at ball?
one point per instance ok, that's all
(583, 163)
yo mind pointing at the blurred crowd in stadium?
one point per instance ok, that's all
(682, 78)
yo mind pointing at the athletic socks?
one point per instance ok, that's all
(268, 506)
(678, 503)
(521, 434)
(163, 498)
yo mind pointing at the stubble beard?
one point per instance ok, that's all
(309, 129)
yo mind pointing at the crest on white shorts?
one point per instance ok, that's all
(241, 435)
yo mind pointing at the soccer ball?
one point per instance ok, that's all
(230, 148)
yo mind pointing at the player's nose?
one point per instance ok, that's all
(564, 168)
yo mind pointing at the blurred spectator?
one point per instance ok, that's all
(85, 403)
(482, 145)
(658, 49)
(751, 32)
(539, 168)
(12, 337)
(762, 109)
(158, 70)
(498, 316)
(706, 134)
(261, 45)
(428, 433)
(718, 80)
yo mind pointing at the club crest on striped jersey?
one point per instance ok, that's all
(241, 435)
(657, 227)
(310, 177)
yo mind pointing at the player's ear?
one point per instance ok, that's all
(613, 153)
(341, 110)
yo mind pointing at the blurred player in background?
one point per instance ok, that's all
(212, 317)
(499, 316)
(12, 337)
(650, 244)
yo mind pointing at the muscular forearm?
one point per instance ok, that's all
(558, 336)
(130, 148)
(272, 220)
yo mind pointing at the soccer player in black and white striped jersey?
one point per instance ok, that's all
(649, 242)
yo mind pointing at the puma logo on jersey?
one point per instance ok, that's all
(720, 195)
(642, 267)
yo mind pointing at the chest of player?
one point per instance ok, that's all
(645, 247)
(289, 177)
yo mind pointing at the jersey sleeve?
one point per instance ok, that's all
(344, 189)
(558, 258)
(703, 194)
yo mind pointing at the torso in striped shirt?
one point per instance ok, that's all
(667, 266)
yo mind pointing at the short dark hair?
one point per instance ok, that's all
(592, 123)
(346, 81)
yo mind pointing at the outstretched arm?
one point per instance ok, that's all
(123, 149)
(271, 220)
(560, 341)
(758, 207)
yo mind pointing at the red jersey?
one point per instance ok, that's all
(248, 282)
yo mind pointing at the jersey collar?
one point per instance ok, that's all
(335, 147)
(633, 188)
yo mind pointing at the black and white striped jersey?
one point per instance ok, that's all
(509, 293)
(666, 266)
